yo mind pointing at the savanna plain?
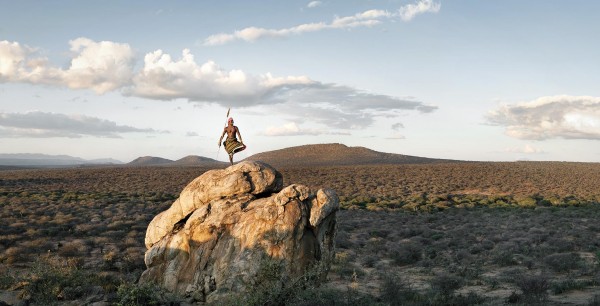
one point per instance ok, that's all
(476, 233)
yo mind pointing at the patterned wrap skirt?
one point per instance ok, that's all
(232, 145)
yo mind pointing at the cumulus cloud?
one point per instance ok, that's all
(568, 117)
(164, 78)
(314, 4)
(367, 18)
(42, 124)
(409, 11)
(101, 66)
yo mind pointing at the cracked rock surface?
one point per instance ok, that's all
(212, 239)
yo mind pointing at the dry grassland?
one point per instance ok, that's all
(430, 234)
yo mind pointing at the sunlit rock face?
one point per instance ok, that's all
(212, 239)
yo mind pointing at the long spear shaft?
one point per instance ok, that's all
(226, 118)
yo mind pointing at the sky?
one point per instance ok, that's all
(498, 80)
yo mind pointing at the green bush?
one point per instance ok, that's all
(144, 294)
(272, 288)
(52, 279)
(527, 202)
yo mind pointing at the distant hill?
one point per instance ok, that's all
(44, 160)
(149, 161)
(2, 168)
(190, 160)
(195, 160)
(335, 154)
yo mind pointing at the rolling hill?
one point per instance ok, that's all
(195, 160)
(335, 154)
(190, 160)
(149, 161)
(33, 160)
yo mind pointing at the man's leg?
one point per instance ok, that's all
(231, 159)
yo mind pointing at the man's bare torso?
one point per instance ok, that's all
(231, 131)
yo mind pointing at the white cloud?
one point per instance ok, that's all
(568, 117)
(409, 11)
(527, 149)
(12, 57)
(165, 78)
(314, 4)
(367, 18)
(100, 66)
(292, 129)
(41, 124)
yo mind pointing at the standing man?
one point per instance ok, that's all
(232, 145)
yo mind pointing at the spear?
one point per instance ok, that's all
(226, 118)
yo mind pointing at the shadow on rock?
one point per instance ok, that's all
(232, 230)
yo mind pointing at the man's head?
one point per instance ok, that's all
(230, 120)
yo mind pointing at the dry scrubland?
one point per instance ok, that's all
(429, 234)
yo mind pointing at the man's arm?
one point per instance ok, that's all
(237, 130)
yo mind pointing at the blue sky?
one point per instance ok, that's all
(472, 80)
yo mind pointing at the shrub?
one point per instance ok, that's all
(319, 296)
(527, 202)
(52, 278)
(109, 281)
(595, 301)
(562, 262)
(569, 285)
(15, 254)
(145, 294)
(407, 253)
(342, 240)
(504, 258)
(6, 279)
(271, 288)
(561, 245)
(369, 261)
(470, 299)
(394, 291)
(445, 284)
(72, 249)
(534, 289)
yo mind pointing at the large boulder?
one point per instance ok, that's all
(212, 240)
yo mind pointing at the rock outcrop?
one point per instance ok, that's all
(212, 239)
